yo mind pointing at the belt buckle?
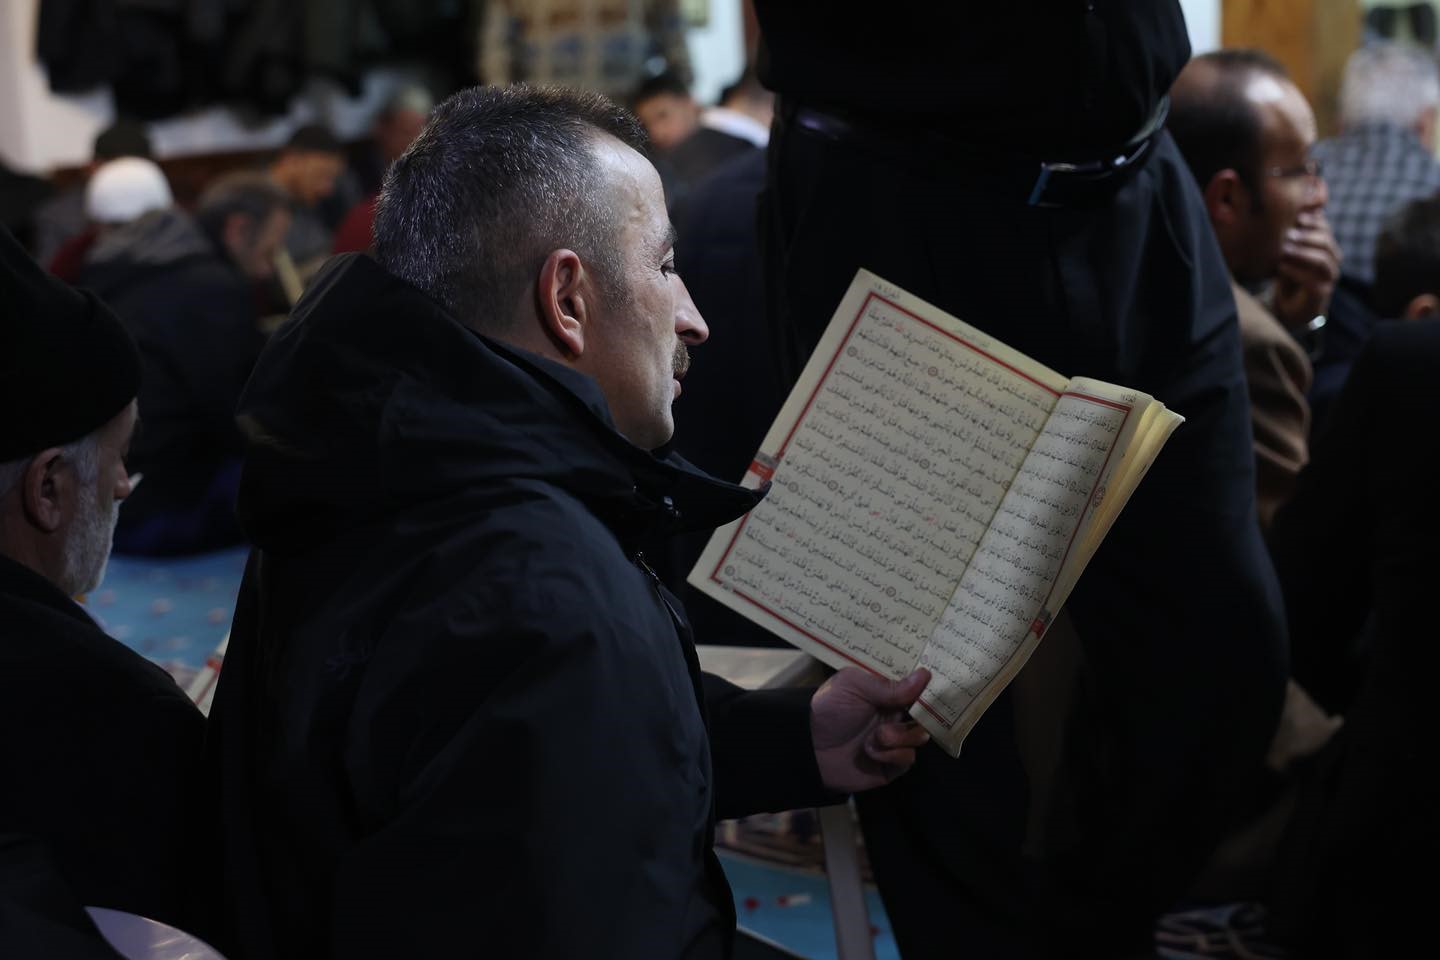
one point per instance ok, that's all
(1042, 182)
(1093, 171)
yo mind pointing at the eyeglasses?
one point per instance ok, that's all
(1310, 168)
(1312, 172)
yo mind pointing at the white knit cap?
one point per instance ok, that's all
(126, 189)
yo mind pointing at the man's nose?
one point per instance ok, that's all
(128, 482)
(689, 325)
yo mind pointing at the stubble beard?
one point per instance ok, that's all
(87, 551)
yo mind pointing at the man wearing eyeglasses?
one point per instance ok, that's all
(1246, 130)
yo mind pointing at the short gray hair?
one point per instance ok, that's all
(1388, 83)
(499, 178)
(83, 453)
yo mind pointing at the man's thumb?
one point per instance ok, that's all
(901, 694)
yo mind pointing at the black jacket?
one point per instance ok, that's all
(99, 757)
(1355, 552)
(193, 315)
(457, 709)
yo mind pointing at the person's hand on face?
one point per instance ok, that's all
(1309, 267)
(864, 736)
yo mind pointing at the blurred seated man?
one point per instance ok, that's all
(120, 191)
(740, 124)
(308, 168)
(396, 126)
(99, 746)
(1246, 130)
(183, 287)
(459, 711)
(1382, 158)
(1384, 155)
(666, 108)
(64, 216)
(1407, 263)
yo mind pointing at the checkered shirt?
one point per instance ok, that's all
(1372, 171)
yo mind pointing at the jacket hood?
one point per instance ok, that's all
(143, 249)
(159, 238)
(371, 399)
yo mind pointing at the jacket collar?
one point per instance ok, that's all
(373, 397)
(20, 582)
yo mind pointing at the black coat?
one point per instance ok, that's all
(1355, 551)
(693, 159)
(458, 712)
(1056, 78)
(192, 312)
(99, 757)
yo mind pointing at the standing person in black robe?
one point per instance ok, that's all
(1009, 164)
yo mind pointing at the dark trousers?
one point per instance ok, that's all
(1181, 668)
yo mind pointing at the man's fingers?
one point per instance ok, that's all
(906, 733)
(893, 762)
(1321, 241)
(1309, 262)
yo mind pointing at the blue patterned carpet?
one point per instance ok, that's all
(173, 611)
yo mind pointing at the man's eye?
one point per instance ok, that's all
(668, 267)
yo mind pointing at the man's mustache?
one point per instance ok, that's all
(682, 360)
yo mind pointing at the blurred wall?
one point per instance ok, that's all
(37, 130)
(1312, 38)
(1203, 19)
(717, 49)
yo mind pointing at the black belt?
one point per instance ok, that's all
(1038, 182)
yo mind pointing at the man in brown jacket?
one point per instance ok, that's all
(1246, 130)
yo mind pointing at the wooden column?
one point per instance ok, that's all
(1313, 38)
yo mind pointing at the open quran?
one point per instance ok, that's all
(934, 498)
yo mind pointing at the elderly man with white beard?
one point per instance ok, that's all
(98, 746)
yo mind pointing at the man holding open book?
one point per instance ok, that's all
(458, 708)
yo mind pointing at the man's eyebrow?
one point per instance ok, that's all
(671, 237)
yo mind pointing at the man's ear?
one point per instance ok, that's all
(564, 294)
(1425, 305)
(1226, 197)
(47, 488)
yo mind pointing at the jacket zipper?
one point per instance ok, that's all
(659, 592)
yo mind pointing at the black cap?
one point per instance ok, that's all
(67, 365)
(123, 138)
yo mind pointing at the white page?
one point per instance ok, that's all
(886, 473)
(1007, 596)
